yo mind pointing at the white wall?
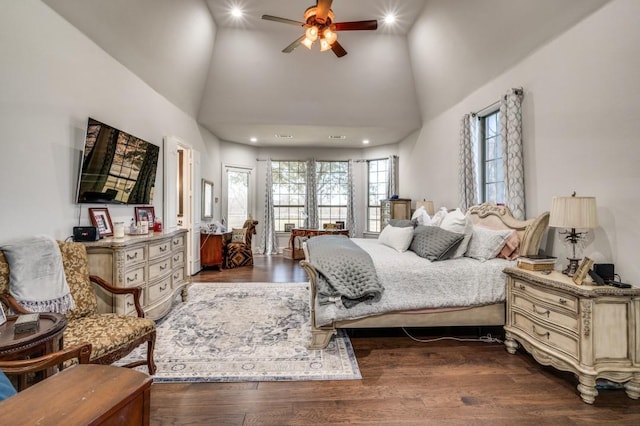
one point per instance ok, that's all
(581, 127)
(51, 79)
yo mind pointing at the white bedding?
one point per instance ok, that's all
(412, 282)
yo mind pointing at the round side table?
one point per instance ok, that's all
(46, 340)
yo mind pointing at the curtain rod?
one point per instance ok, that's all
(355, 161)
(518, 91)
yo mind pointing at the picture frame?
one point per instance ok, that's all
(582, 271)
(207, 199)
(101, 219)
(143, 213)
(289, 226)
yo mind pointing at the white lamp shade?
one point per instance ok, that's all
(573, 212)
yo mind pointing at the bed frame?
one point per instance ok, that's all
(530, 232)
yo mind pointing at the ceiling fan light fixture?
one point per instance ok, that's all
(330, 35)
(324, 45)
(312, 33)
(307, 43)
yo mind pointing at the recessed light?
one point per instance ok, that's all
(284, 136)
(236, 12)
(389, 18)
(341, 137)
(365, 142)
(254, 139)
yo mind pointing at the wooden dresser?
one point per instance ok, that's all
(85, 394)
(592, 331)
(398, 208)
(156, 262)
(212, 249)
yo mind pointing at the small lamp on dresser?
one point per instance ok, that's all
(573, 213)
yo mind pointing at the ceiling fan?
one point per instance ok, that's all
(319, 24)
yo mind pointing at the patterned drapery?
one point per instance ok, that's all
(467, 178)
(511, 135)
(392, 176)
(311, 199)
(351, 216)
(268, 242)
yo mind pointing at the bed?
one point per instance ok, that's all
(463, 291)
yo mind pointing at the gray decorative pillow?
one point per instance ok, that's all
(486, 243)
(402, 223)
(434, 243)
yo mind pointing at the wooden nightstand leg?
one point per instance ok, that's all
(632, 387)
(587, 388)
(510, 344)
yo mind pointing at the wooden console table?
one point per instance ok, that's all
(85, 394)
(46, 340)
(212, 249)
(308, 233)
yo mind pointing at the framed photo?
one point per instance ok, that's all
(582, 270)
(289, 226)
(147, 213)
(100, 219)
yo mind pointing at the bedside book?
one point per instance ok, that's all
(536, 266)
(537, 259)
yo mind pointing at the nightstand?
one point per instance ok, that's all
(592, 331)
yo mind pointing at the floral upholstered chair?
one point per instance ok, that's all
(238, 251)
(112, 336)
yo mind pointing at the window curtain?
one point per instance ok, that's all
(311, 199)
(351, 215)
(511, 136)
(268, 242)
(392, 176)
(467, 178)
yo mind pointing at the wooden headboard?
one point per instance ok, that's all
(530, 231)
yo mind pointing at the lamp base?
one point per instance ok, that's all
(572, 267)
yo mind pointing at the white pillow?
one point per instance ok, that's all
(396, 237)
(458, 222)
(421, 216)
(436, 220)
(486, 243)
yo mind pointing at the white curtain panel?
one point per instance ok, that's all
(511, 135)
(351, 216)
(392, 176)
(311, 199)
(268, 243)
(467, 178)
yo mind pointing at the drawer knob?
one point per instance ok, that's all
(522, 287)
(163, 248)
(176, 258)
(563, 301)
(129, 304)
(135, 277)
(135, 256)
(545, 334)
(163, 267)
(543, 312)
(163, 287)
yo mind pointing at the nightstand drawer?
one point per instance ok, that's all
(544, 312)
(555, 298)
(549, 336)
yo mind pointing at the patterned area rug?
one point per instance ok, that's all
(230, 332)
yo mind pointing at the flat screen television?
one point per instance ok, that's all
(117, 168)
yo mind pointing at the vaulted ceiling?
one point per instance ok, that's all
(231, 75)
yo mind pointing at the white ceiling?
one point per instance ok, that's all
(232, 77)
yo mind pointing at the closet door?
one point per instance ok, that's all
(170, 219)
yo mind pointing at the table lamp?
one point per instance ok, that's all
(573, 213)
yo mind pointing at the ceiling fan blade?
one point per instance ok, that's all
(283, 20)
(338, 49)
(322, 11)
(357, 25)
(293, 45)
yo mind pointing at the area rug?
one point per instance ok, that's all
(230, 332)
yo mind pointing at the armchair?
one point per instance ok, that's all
(238, 251)
(112, 336)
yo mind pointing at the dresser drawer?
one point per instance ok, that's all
(544, 312)
(553, 297)
(177, 242)
(178, 275)
(134, 255)
(158, 290)
(159, 268)
(177, 259)
(547, 335)
(134, 277)
(125, 305)
(160, 249)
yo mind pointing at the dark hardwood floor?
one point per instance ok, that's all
(403, 382)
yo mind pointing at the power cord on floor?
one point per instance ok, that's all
(485, 339)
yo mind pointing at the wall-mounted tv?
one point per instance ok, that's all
(117, 168)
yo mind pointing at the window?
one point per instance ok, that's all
(378, 174)
(237, 188)
(491, 171)
(332, 180)
(289, 193)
